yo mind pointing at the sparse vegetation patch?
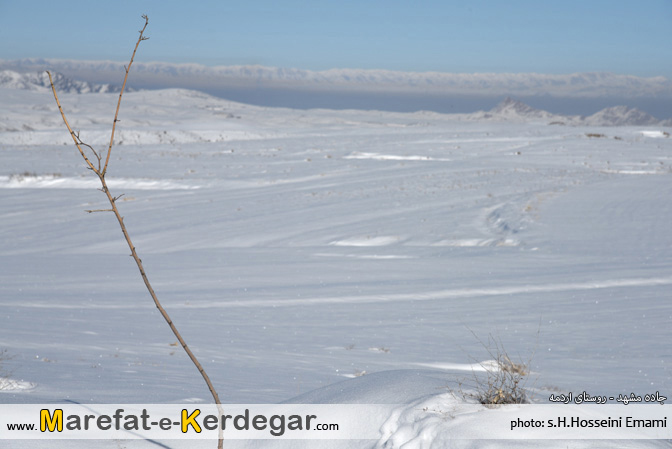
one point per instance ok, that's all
(504, 380)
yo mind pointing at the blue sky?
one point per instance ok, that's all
(628, 37)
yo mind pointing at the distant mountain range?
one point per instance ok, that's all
(40, 80)
(507, 110)
(195, 76)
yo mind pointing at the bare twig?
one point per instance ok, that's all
(98, 157)
(123, 86)
(75, 136)
(112, 200)
(98, 210)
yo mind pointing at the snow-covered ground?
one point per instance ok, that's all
(328, 256)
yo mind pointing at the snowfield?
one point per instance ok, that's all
(329, 257)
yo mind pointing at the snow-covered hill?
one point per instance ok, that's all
(510, 110)
(621, 116)
(514, 110)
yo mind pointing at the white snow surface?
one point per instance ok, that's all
(329, 257)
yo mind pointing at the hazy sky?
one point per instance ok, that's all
(561, 36)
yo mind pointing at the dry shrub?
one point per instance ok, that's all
(504, 380)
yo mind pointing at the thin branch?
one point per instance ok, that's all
(75, 137)
(112, 200)
(123, 86)
(165, 315)
(95, 153)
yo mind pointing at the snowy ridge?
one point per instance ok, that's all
(515, 108)
(576, 84)
(622, 116)
(512, 110)
(39, 81)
